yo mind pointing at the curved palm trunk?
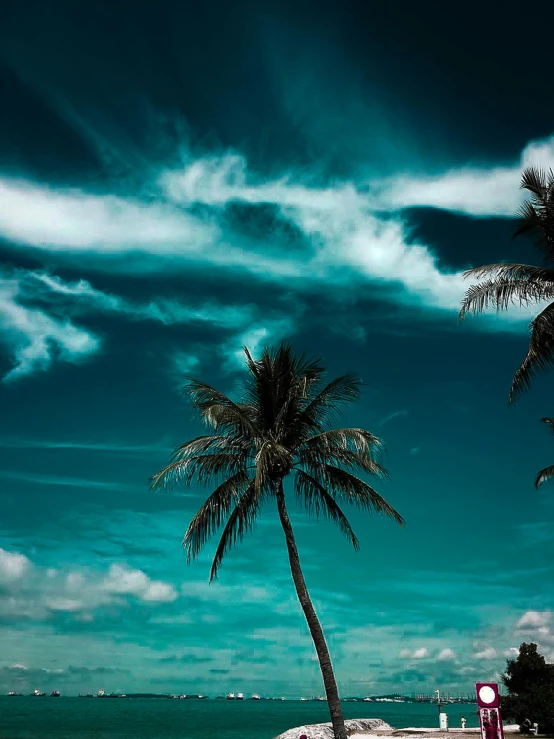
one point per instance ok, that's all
(316, 631)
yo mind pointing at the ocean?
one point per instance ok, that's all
(150, 718)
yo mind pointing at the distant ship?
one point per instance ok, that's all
(256, 697)
(55, 694)
(38, 693)
(368, 700)
(240, 696)
(230, 696)
(12, 693)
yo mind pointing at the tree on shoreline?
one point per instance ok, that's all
(281, 428)
(530, 683)
(508, 284)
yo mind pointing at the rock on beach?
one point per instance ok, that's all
(325, 731)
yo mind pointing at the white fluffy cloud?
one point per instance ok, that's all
(121, 580)
(35, 593)
(420, 653)
(538, 626)
(485, 653)
(534, 620)
(13, 566)
(446, 655)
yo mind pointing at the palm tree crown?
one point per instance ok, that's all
(505, 284)
(281, 427)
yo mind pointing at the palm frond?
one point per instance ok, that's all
(317, 501)
(219, 411)
(549, 421)
(212, 513)
(319, 412)
(203, 444)
(536, 216)
(357, 492)
(316, 457)
(240, 522)
(544, 475)
(536, 181)
(203, 468)
(272, 461)
(501, 293)
(528, 220)
(540, 354)
(279, 382)
(363, 441)
(511, 271)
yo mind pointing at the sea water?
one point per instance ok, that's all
(157, 718)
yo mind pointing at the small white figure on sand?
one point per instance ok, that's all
(463, 722)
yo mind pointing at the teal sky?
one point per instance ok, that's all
(176, 183)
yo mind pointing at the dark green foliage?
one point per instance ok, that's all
(530, 683)
(281, 427)
(503, 285)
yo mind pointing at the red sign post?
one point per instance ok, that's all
(490, 718)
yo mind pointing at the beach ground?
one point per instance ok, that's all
(423, 733)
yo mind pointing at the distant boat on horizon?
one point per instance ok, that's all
(55, 694)
(256, 697)
(230, 696)
(13, 694)
(240, 696)
(38, 693)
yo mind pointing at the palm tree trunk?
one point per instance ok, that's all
(314, 625)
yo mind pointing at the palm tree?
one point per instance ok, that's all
(281, 428)
(507, 284)
(548, 472)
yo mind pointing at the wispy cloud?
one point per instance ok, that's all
(348, 234)
(36, 338)
(84, 298)
(106, 447)
(63, 481)
(478, 191)
(392, 416)
(344, 238)
(38, 311)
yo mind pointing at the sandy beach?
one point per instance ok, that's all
(379, 729)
